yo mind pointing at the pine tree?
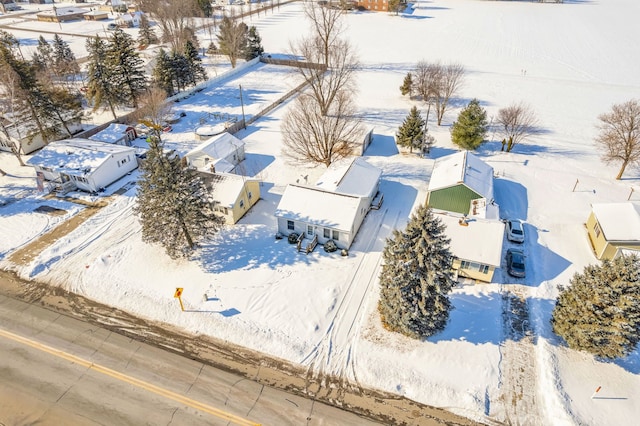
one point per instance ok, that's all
(146, 34)
(254, 44)
(416, 277)
(42, 58)
(64, 60)
(600, 311)
(173, 203)
(196, 70)
(126, 69)
(411, 133)
(181, 70)
(100, 87)
(163, 75)
(470, 129)
(407, 85)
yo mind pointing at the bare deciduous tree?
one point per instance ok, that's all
(326, 28)
(175, 18)
(154, 110)
(619, 136)
(232, 38)
(517, 122)
(312, 137)
(326, 85)
(437, 84)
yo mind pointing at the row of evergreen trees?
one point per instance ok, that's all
(29, 92)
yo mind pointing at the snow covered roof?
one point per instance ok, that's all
(112, 134)
(479, 241)
(463, 167)
(219, 146)
(73, 155)
(352, 176)
(314, 205)
(225, 187)
(618, 221)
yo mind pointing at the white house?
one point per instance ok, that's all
(335, 207)
(116, 133)
(82, 164)
(129, 19)
(27, 139)
(476, 244)
(221, 153)
(463, 183)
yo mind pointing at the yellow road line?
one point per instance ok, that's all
(128, 379)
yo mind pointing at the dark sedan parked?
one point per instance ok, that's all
(515, 263)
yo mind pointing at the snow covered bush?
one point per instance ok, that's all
(293, 238)
(600, 311)
(416, 277)
(330, 246)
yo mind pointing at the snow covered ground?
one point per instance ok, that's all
(569, 61)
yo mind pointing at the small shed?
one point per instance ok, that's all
(221, 153)
(232, 195)
(476, 245)
(83, 164)
(613, 227)
(462, 183)
(116, 133)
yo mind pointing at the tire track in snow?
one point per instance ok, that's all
(332, 362)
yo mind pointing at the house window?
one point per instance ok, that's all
(484, 269)
(309, 230)
(250, 195)
(327, 233)
(597, 229)
(242, 204)
(464, 264)
(336, 235)
(290, 226)
(226, 211)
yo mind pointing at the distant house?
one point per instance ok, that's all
(476, 245)
(82, 164)
(221, 153)
(61, 14)
(613, 227)
(232, 195)
(335, 207)
(129, 19)
(96, 15)
(116, 133)
(113, 6)
(462, 183)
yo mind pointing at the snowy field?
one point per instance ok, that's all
(569, 61)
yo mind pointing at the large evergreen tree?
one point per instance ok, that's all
(42, 58)
(600, 311)
(416, 277)
(254, 44)
(196, 70)
(100, 87)
(146, 34)
(65, 64)
(470, 129)
(163, 73)
(411, 133)
(173, 203)
(126, 68)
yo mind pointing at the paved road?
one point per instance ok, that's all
(58, 370)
